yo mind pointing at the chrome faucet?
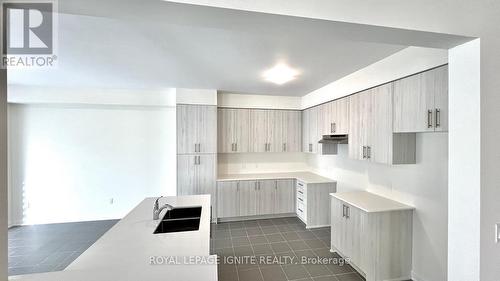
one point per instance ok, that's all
(157, 210)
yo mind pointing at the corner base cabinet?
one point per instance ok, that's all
(377, 241)
(312, 203)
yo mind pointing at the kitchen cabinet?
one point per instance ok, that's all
(371, 136)
(312, 199)
(259, 130)
(285, 196)
(196, 129)
(233, 130)
(334, 117)
(266, 196)
(311, 130)
(421, 102)
(248, 198)
(375, 233)
(197, 174)
(228, 204)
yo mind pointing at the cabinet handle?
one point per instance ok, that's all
(301, 192)
(235, 146)
(331, 128)
(284, 147)
(429, 118)
(343, 211)
(364, 152)
(199, 147)
(368, 152)
(438, 118)
(300, 210)
(347, 212)
(310, 147)
(232, 146)
(300, 184)
(301, 199)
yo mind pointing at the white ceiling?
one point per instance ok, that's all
(157, 44)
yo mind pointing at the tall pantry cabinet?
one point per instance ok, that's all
(197, 151)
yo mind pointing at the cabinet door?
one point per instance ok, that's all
(380, 137)
(275, 136)
(226, 130)
(206, 175)
(258, 130)
(359, 123)
(285, 197)
(341, 116)
(325, 118)
(292, 135)
(241, 130)
(248, 198)
(266, 197)
(187, 128)
(228, 199)
(354, 229)
(206, 136)
(186, 175)
(305, 130)
(337, 227)
(314, 129)
(412, 102)
(435, 83)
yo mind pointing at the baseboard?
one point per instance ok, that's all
(260, 217)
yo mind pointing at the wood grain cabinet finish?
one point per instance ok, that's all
(255, 198)
(421, 102)
(233, 130)
(379, 244)
(196, 129)
(371, 136)
(291, 131)
(334, 117)
(311, 130)
(228, 204)
(312, 203)
(197, 174)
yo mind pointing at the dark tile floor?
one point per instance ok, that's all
(51, 247)
(279, 247)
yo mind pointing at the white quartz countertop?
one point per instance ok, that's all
(306, 177)
(369, 202)
(125, 251)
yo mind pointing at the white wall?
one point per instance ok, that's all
(465, 159)
(196, 96)
(68, 161)
(3, 175)
(261, 162)
(403, 63)
(226, 99)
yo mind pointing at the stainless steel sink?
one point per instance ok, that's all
(179, 220)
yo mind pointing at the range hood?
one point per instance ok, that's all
(334, 139)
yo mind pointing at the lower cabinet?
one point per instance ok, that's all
(313, 203)
(378, 244)
(255, 197)
(197, 174)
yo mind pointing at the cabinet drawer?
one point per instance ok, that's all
(301, 211)
(301, 198)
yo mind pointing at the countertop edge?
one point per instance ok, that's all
(403, 207)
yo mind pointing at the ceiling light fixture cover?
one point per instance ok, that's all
(280, 74)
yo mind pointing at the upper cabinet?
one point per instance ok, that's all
(421, 102)
(311, 129)
(334, 117)
(371, 136)
(196, 127)
(259, 130)
(233, 130)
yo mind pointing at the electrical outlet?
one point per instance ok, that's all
(497, 232)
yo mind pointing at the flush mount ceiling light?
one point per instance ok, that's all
(280, 74)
